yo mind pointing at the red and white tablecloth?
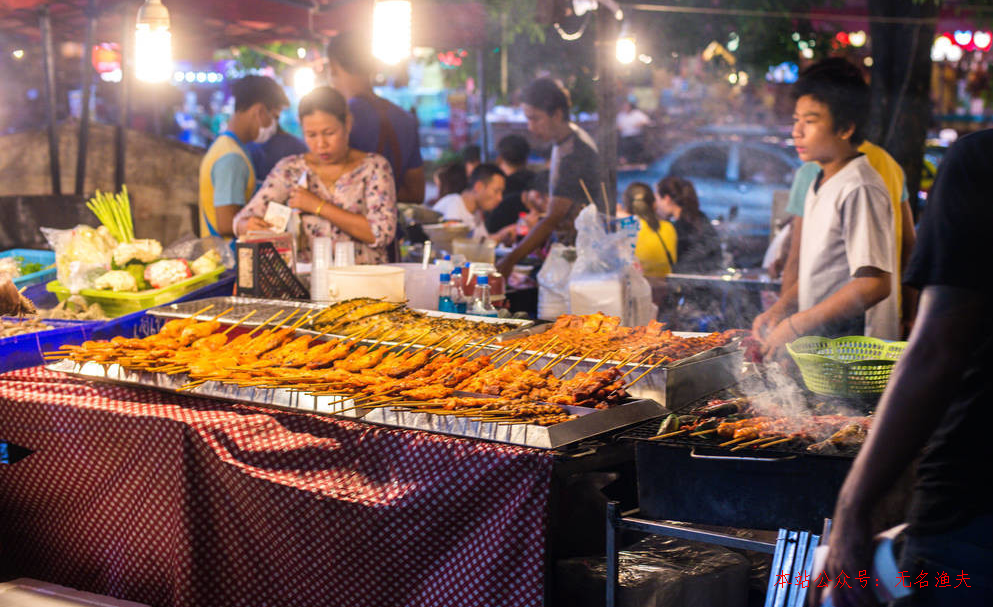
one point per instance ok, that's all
(173, 500)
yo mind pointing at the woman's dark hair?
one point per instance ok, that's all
(452, 179)
(548, 95)
(639, 200)
(838, 84)
(324, 99)
(683, 194)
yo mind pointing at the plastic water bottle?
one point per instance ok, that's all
(481, 305)
(458, 292)
(445, 264)
(445, 303)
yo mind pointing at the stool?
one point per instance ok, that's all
(25, 592)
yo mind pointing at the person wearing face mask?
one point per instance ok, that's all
(227, 179)
(340, 192)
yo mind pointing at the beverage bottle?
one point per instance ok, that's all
(522, 225)
(458, 292)
(481, 305)
(445, 264)
(445, 294)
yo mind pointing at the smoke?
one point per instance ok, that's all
(776, 392)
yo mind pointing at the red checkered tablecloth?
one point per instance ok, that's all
(173, 500)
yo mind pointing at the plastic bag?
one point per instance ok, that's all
(553, 282)
(605, 277)
(191, 248)
(82, 254)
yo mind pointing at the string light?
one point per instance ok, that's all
(153, 43)
(391, 24)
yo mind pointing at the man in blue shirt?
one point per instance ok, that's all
(266, 155)
(377, 125)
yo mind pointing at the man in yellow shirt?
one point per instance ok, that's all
(227, 180)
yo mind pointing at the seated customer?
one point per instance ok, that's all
(698, 245)
(483, 193)
(449, 179)
(513, 151)
(349, 195)
(656, 244)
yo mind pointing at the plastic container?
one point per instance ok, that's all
(420, 285)
(481, 305)
(119, 304)
(45, 258)
(445, 303)
(380, 282)
(846, 366)
(25, 350)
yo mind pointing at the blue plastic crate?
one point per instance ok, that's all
(20, 351)
(45, 258)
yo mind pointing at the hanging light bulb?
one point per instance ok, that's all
(391, 30)
(626, 51)
(304, 80)
(153, 43)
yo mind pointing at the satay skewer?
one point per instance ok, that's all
(733, 441)
(481, 345)
(603, 360)
(265, 322)
(540, 353)
(752, 442)
(776, 442)
(218, 315)
(413, 341)
(558, 359)
(581, 358)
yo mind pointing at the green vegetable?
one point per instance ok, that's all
(669, 424)
(137, 269)
(28, 267)
(114, 212)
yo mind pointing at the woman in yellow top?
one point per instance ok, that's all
(656, 244)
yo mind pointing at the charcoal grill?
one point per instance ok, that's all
(691, 479)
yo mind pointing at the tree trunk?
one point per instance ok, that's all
(901, 85)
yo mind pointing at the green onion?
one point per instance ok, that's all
(114, 212)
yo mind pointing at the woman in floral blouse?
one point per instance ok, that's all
(349, 195)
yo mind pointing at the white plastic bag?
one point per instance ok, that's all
(553, 282)
(605, 277)
(82, 254)
(191, 248)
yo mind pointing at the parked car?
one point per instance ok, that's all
(735, 181)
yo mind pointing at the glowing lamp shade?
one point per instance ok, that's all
(626, 51)
(153, 43)
(391, 31)
(304, 80)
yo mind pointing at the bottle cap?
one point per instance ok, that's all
(482, 280)
(456, 271)
(445, 277)
(522, 215)
(448, 257)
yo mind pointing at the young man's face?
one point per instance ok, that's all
(814, 133)
(490, 194)
(540, 123)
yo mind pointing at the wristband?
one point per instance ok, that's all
(789, 319)
(319, 207)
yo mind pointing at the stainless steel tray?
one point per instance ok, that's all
(265, 308)
(591, 423)
(674, 384)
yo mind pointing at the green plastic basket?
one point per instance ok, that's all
(846, 366)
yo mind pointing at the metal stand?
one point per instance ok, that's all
(616, 521)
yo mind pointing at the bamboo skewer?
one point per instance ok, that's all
(413, 341)
(703, 432)
(539, 353)
(558, 359)
(731, 442)
(218, 315)
(602, 361)
(649, 370)
(482, 345)
(201, 311)
(776, 442)
(244, 318)
(265, 322)
(668, 434)
(635, 366)
(578, 360)
(750, 443)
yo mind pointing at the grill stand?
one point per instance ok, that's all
(792, 552)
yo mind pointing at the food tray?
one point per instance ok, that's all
(846, 366)
(46, 258)
(673, 385)
(592, 422)
(119, 304)
(25, 350)
(265, 308)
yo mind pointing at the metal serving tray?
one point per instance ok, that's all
(674, 384)
(592, 422)
(265, 308)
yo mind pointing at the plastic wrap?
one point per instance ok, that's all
(191, 248)
(553, 282)
(82, 254)
(605, 277)
(659, 572)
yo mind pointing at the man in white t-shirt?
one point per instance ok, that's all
(482, 195)
(848, 260)
(631, 123)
